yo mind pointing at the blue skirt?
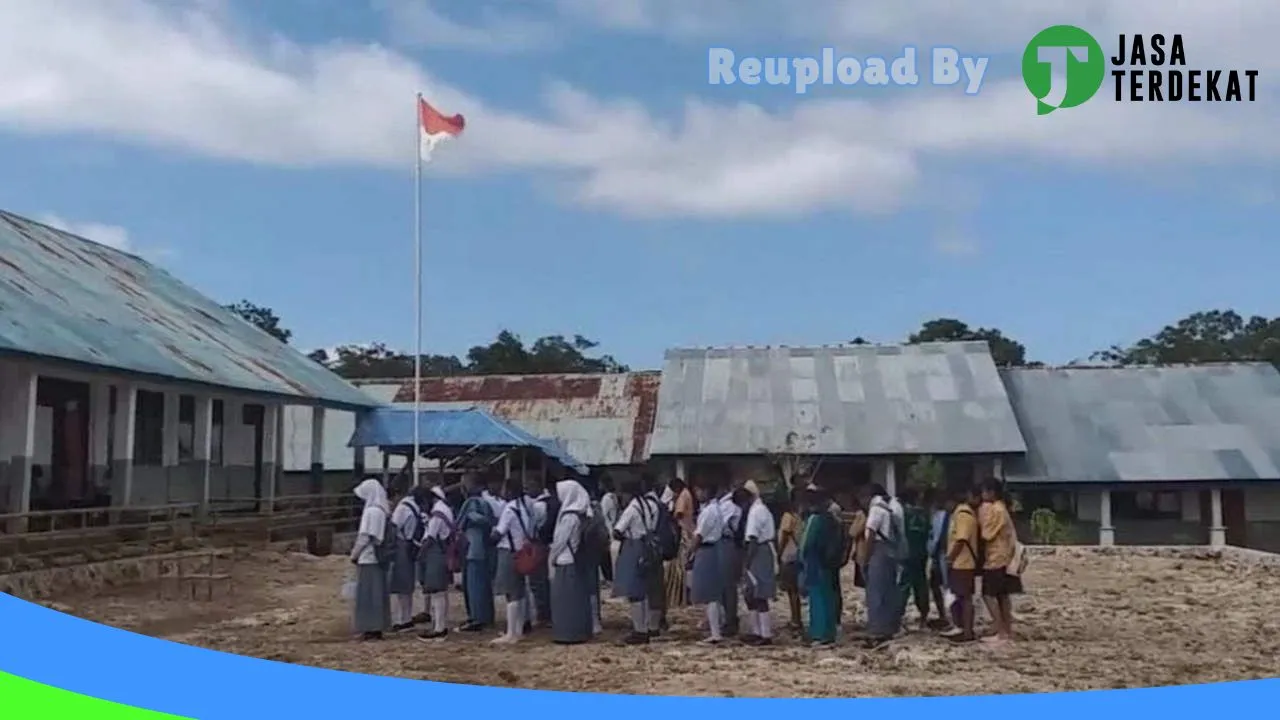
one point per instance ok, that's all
(883, 618)
(478, 581)
(707, 585)
(762, 569)
(433, 572)
(629, 580)
(373, 602)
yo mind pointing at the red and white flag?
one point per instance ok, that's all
(434, 127)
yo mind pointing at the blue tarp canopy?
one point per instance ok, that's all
(392, 428)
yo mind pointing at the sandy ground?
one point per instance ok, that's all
(1087, 622)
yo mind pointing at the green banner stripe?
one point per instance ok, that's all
(26, 699)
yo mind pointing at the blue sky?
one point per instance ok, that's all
(265, 151)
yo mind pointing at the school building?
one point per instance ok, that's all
(121, 387)
(602, 420)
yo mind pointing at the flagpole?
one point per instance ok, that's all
(417, 283)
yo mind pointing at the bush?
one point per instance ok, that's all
(1047, 528)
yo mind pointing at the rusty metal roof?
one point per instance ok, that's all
(600, 419)
(68, 298)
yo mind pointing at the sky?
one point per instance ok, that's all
(265, 151)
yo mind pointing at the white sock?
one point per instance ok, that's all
(753, 622)
(439, 611)
(765, 619)
(515, 619)
(596, 626)
(639, 616)
(655, 619)
(714, 619)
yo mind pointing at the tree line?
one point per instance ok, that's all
(1201, 337)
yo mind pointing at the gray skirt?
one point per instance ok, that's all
(400, 581)
(373, 602)
(433, 573)
(764, 571)
(883, 620)
(707, 585)
(730, 559)
(507, 581)
(629, 581)
(570, 606)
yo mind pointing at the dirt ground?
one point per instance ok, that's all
(1088, 621)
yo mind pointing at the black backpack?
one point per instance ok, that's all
(667, 535)
(419, 528)
(385, 551)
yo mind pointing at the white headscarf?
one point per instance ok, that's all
(376, 508)
(573, 498)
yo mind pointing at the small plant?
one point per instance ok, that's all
(1047, 528)
(793, 459)
(926, 473)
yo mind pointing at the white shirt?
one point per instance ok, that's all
(440, 522)
(609, 509)
(710, 525)
(512, 523)
(406, 518)
(567, 538)
(538, 511)
(760, 523)
(495, 503)
(637, 520)
(731, 515)
(668, 497)
(879, 520)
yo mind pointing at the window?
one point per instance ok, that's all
(215, 445)
(186, 428)
(1147, 505)
(148, 431)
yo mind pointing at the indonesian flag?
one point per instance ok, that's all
(433, 127)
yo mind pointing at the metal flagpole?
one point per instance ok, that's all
(417, 283)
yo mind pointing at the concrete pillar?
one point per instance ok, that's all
(1217, 532)
(126, 421)
(682, 471)
(887, 471)
(100, 435)
(386, 466)
(317, 451)
(18, 387)
(202, 448)
(997, 469)
(272, 451)
(1106, 531)
(506, 467)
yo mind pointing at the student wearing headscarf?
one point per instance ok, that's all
(407, 519)
(433, 568)
(571, 612)
(883, 531)
(730, 558)
(759, 579)
(636, 523)
(373, 602)
(821, 548)
(476, 520)
(706, 586)
(512, 533)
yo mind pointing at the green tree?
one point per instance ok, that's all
(1204, 337)
(1005, 351)
(926, 473)
(508, 355)
(264, 318)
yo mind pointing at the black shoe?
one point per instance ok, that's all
(432, 635)
(371, 636)
(874, 643)
(654, 634)
(471, 627)
(528, 628)
(402, 627)
(637, 638)
(750, 639)
(422, 619)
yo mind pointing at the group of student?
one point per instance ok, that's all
(546, 553)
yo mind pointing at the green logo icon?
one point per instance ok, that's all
(1063, 66)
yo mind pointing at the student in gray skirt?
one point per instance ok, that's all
(630, 576)
(407, 519)
(759, 580)
(706, 586)
(372, 602)
(730, 558)
(433, 568)
(571, 612)
(513, 531)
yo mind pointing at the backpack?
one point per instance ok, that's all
(668, 536)
(833, 554)
(532, 554)
(455, 545)
(595, 534)
(651, 552)
(385, 550)
(419, 529)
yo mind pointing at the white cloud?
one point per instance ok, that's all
(179, 75)
(109, 235)
(420, 23)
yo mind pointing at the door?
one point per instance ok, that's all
(1234, 518)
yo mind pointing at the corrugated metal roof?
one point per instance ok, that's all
(65, 297)
(393, 428)
(938, 398)
(1110, 425)
(601, 419)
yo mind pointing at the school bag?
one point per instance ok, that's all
(917, 524)
(385, 550)
(454, 544)
(833, 545)
(668, 535)
(419, 529)
(650, 551)
(533, 554)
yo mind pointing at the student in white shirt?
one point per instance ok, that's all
(513, 531)
(433, 568)
(706, 587)
(372, 606)
(730, 558)
(609, 512)
(636, 523)
(761, 569)
(571, 611)
(883, 619)
(407, 518)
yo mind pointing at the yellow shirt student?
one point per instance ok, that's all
(962, 540)
(998, 534)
